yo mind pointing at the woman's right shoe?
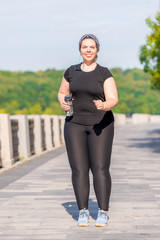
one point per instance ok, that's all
(83, 220)
(102, 218)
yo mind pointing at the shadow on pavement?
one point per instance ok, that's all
(72, 209)
(152, 142)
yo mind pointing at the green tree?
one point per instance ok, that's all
(36, 92)
(150, 52)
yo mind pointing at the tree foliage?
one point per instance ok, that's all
(150, 52)
(36, 92)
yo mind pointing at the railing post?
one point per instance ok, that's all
(62, 121)
(56, 132)
(23, 133)
(6, 141)
(37, 133)
(47, 129)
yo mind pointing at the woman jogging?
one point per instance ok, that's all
(89, 131)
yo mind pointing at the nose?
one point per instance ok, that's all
(88, 49)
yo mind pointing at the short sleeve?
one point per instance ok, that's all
(66, 75)
(107, 74)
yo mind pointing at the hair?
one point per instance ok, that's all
(95, 59)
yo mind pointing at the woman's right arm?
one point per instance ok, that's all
(63, 90)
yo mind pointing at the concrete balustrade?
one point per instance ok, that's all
(40, 133)
(6, 141)
(120, 119)
(140, 118)
(154, 118)
(136, 118)
(36, 134)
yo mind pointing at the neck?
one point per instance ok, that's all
(88, 66)
(88, 63)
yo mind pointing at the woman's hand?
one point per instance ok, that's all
(99, 104)
(65, 106)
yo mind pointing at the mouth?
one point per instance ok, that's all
(88, 55)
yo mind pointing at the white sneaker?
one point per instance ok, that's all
(83, 220)
(102, 218)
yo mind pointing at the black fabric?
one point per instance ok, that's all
(89, 147)
(86, 87)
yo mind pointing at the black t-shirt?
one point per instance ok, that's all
(86, 87)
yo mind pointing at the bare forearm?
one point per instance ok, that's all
(109, 104)
(61, 97)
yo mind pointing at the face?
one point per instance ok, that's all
(88, 49)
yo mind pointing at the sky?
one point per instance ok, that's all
(44, 34)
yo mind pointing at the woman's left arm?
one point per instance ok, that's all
(111, 96)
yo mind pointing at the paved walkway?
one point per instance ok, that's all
(37, 200)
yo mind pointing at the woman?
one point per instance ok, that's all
(89, 132)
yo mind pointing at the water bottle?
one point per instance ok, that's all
(68, 100)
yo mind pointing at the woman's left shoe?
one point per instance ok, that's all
(102, 218)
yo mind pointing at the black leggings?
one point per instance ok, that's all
(89, 147)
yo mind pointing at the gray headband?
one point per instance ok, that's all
(89, 36)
